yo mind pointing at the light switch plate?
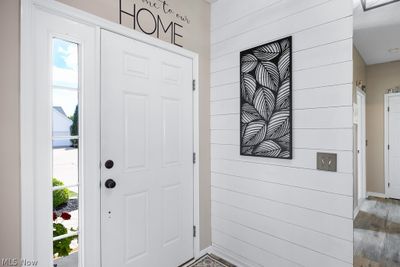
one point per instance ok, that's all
(327, 161)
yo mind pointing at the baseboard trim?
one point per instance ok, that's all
(356, 211)
(231, 257)
(205, 251)
(375, 194)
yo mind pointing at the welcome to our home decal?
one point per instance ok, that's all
(154, 17)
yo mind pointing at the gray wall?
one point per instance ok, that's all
(9, 134)
(379, 78)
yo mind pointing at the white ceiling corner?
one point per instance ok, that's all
(376, 31)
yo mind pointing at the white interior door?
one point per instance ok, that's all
(147, 132)
(361, 168)
(393, 155)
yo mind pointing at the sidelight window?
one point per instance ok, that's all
(66, 152)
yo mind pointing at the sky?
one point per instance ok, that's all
(65, 74)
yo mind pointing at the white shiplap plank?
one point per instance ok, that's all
(328, 96)
(325, 244)
(325, 54)
(322, 139)
(320, 118)
(302, 28)
(227, 11)
(302, 158)
(295, 177)
(310, 219)
(333, 74)
(277, 11)
(333, 204)
(259, 256)
(321, 97)
(298, 254)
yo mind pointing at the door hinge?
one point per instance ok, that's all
(194, 85)
(194, 230)
(388, 147)
(366, 142)
(389, 184)
(388, 109)
(194, 158)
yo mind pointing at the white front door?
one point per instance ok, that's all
(393, 137)
(146, 154)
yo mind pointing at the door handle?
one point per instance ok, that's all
(110, 183)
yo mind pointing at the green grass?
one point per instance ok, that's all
(72, 194)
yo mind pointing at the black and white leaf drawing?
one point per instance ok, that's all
(266, 100)
(267, 52)
(267, 75)
(249, 62)
(267, 148)
(284, 64)
(248, 87)
(249, 113)
(279, 124)
(254, 132)
(283, 98)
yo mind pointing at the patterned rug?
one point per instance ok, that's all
(211, 261)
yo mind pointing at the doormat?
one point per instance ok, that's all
(210, 260)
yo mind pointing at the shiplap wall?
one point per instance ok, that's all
(273, 212)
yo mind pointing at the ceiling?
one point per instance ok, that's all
(377, 32)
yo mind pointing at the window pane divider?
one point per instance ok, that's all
(59, 87)
(64, 186)
(75, 137)
(65, 236)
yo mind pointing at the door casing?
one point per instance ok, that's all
(361, 139)
(28, 149)
(386, 143)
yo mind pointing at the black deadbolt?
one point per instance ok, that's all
(110, 183)
(109, 164)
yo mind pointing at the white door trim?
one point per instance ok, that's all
(386, 137)
(27, 105)
(362, 123)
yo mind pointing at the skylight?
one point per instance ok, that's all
(372, 4)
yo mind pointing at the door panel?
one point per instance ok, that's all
(147, 131)
(394, 142)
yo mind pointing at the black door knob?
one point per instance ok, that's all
(109, 164)
(110, 183)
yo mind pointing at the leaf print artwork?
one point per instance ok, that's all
(266, 100)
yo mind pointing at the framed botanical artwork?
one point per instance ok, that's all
(266, 100)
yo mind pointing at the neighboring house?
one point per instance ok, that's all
(61, 127)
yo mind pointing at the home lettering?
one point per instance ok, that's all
(147, 22)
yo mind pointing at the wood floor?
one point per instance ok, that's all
(377, 234)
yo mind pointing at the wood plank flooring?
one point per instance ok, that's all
(377, 233)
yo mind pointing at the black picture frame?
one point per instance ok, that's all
(266, 100)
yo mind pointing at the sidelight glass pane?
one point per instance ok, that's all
(65, 162)
(68, 261)
(65, 176)
(65, 112)
(65, 224)
(65, 63)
